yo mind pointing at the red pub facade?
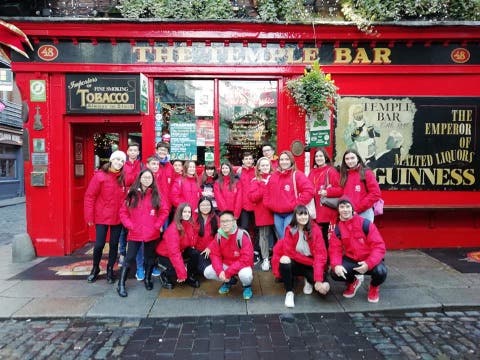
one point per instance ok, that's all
(216, 89)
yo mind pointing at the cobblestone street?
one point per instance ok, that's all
(401, 335)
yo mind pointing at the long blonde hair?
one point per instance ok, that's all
(258, 172)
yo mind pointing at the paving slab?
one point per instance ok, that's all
(9, 306)
(55, 307)
(303, 303)
(457, 297)
(198, 307)
(56, 288)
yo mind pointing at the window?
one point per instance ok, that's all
(8, 163)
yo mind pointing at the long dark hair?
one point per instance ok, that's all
(120, 179)
(231, 175)
(209, 165)
(307, 229)
(325, 155)
(211, 215)
(344, 168)
(177, 218)
(136, 192)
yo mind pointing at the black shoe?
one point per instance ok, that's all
(121, 290)
(192, 282)
(148, 278)
(110, 275)
(93, 274)
(166, 283)
(233, 280)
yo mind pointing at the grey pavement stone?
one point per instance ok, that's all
(456, 297)
(9, 306)
(303, 303)
(164, 307)
(55, 307)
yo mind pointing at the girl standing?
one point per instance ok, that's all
(186, 189)
(103, 199)
(209, 176)
(228, 191)
(303, 254)
(207, 222)
(143, 214)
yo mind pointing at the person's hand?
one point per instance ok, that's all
(362, 269)
(340, 271)
(206, 253)
(223, 277)
(322, 287)
(90, 224)
(181, 280)
(323, 192)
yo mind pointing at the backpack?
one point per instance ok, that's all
(240, 233)
(365, 226)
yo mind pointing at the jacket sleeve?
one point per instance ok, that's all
(245, 259)
(125, 216)
(304, 188)
(319, 253)
(163, 212)
(238, 201)
(377, 246)
(255, 193)
(176, 196)
(268, 195)
(174, 252)
(334, 189)
(373, 192)
(215, 256)
(335, 249)
(277, 253)
(94, 188)
(219, 196)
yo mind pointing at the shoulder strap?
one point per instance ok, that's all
(365, 228)
(240, 234)
(295, 184)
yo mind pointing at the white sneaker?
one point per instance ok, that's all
(289, 302)
(265, 265)
(307, 288)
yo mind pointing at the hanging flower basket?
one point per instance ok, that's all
(314, 92)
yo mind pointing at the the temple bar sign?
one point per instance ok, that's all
(106, 94)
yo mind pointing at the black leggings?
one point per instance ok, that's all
(148, 255)
(289, 271)
(191, 258)
(100, 238)
(378, 273)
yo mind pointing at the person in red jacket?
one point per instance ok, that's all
(207, 181)
(325, 180)
(207, 223)
(177, 251)
(231, 255)
(143, 214)
(287, 188)
(303, 254)
(263, 215)
(131, 169)
(359, 184)
(354, 251)
(246, 173)
(228, 191)
(102, 203)
(269, 152)
(165, 170)
(187, 189)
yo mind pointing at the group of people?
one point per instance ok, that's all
(217, 225)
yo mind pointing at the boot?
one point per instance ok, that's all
(192, 281)
(166, 283)
(93, 274)
(121, 282)
(110, 275)
(148, 277)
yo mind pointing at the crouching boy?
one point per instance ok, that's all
(231, 253)
(357, 248)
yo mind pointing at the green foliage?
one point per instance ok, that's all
(315, 91)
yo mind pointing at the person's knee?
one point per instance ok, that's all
(246, 275)
(209, 273)
(380, 272)
(285, 260)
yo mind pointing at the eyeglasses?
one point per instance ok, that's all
(227, 221)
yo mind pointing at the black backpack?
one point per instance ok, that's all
(365, 226)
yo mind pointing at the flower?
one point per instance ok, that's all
(315, 91)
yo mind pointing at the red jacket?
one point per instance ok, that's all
(318, 177)
(103, 199)
(144, 222)
(173, 245)
(228, 199)
(317, 260)
(186, 189)
(165, 176)
(246, 177)
(227, 252)
(263, 215)
(355, 244)
(362, 197)
(206, 239)
(280, 195)
(131, 171)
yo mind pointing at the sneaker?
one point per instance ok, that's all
(265, 265)
(156, 271)
(289, 302)
(225, 288)
(307, 288)
(247, 293)
(140, 275)
(373, 294)
(352, 288)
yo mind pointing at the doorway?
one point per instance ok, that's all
(91, 146)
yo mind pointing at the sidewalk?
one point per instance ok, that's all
(12, 201)
(415, 281)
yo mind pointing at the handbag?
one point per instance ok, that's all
(331, 202)
(378, 207)
(312, 211)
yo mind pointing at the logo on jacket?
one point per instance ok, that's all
(357, 188)
(152, 212)
(287, 187)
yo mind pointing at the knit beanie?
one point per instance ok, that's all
(118, 155)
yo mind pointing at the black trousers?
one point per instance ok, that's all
(289, 271)
(148, 254)
(378, 273)
(191, 258)
(100, 239)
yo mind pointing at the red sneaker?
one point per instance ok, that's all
(373, 294)
(352, 288)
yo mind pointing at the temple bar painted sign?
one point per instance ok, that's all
(206, 53)
(99, 93)
(414, 143)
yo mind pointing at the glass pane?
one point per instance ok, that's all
(248, 117)
(184, 118)
(105, 144)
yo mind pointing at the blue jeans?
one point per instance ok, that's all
(368, 214)
(139, 257)
(281, 221)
